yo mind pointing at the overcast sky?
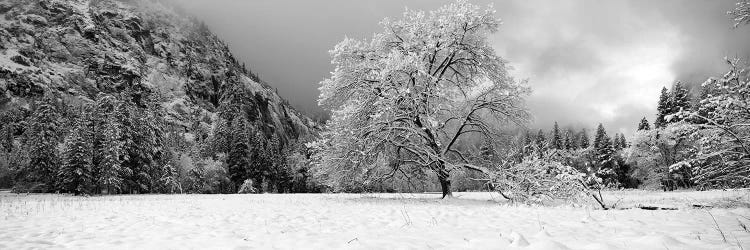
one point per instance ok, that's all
(587, 61)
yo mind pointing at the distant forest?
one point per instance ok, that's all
(124, 145)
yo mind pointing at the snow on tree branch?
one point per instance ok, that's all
(741, 14)
(416, 89)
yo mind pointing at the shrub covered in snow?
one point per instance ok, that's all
(652, 152)
(542, 178)
(536, 180)
(247, 187)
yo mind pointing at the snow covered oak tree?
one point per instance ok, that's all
(415, 91)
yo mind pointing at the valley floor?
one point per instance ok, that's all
(371, 221)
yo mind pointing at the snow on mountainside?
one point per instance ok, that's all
(79, 48)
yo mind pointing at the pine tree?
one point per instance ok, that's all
(143, 153)
(239, 160)
(144, 143)
(11, 121)
(278, 174)
(124, 119)
(557, 140)
(162, 175)
(601, 136)
(663, 108)
(568, 141)
(75, 174)
(540, 140)
(623, 142)
(528, 138)
(109, 153)
(528, 143)
(606, 163)
(680, 101)
(220, 137)
(617, 143)
(42, 138)
(583, 139)
(702, 107)
(96, 119)
(261, 165)
(644, 125)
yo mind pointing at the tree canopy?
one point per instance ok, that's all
(416, 89)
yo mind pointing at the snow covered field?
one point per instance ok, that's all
(372, 221)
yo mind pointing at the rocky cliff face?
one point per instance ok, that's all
(79, 48)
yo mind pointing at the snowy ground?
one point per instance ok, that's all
(380, 221)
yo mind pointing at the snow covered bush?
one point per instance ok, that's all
(542, 178)
(302, 176)
(247, 187)
(207, 176)
(535, 180)
(652, 152)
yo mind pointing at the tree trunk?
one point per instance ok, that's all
(445, 184)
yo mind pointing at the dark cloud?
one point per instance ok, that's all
(605, 61)
(707, 38)
(588, 61)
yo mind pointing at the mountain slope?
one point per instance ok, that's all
(77, 49)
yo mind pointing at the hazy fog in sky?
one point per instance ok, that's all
(587, 61)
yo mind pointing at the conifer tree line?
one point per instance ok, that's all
(604, 157)
(118, 144)
(253, 152)
(105, 146)
(697, 140)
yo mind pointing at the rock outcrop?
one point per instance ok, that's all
(80, 48)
